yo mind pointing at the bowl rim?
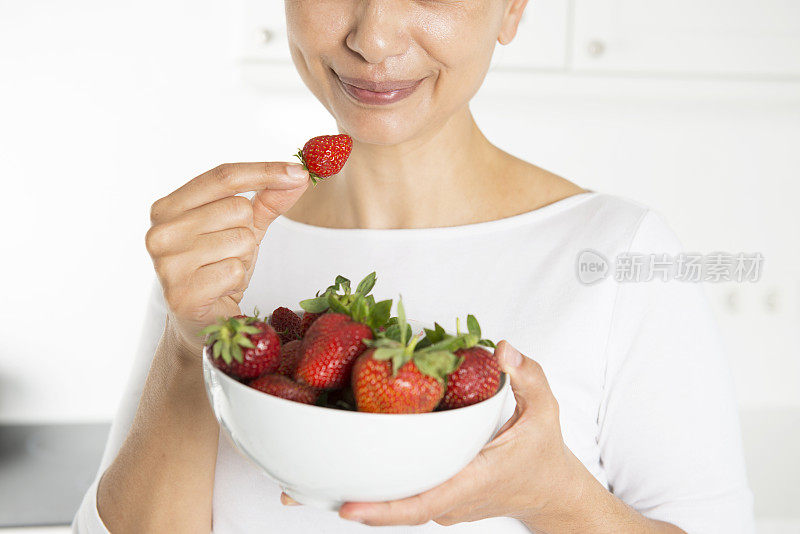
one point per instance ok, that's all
(504, 385)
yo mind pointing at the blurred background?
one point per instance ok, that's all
(689, 106)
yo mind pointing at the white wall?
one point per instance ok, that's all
(104, 107)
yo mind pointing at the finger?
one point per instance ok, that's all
(269, 204)
(178, 235)
(228, 212)
(411, 511)
(528, 381)
(225, 181)
(207, 249)
(288, 501)
(206, 285)
(511, 422)
(415, 510)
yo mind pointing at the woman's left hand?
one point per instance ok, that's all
(525, 472)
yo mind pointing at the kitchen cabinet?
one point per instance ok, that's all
(262, 35)
(750, 38)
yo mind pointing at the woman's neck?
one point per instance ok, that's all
(450, 177)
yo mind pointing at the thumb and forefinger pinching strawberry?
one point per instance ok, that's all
(325, 155)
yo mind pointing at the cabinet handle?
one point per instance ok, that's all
(267, 36)
(596, 48)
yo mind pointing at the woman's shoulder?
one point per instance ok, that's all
(607, 219)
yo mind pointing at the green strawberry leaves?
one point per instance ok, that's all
(315, 305)
(438, 340)
(438, 363)
(472, 326)
(475, 330)
(336, 306)
(227, 337)
(359, 305)
(366, 285)
(379, 313)
(398, 355)
(432, 336)
(398, 345)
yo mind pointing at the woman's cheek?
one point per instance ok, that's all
(451, 36)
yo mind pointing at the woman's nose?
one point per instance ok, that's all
(378, 31)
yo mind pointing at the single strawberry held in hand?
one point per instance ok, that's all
(286, 388)
(243, 347)
(325, 155)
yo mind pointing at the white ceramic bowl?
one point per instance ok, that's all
(323, 457)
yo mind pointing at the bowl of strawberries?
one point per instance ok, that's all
(341, 401)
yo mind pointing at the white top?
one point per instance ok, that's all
(637, 368)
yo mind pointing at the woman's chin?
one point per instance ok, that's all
(376, 130)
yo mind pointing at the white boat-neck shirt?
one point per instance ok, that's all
(638, 369)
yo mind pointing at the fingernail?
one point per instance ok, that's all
(511, 356)
(297, 172)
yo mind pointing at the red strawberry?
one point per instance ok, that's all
(338, 322)
(329, 349)
(286, 323)
(475, 380)
(290, 356)
(378, 390)
(325, 155)
(477, 376)
(285, 388)
(243, 347)
(308, 320)
(392, 377)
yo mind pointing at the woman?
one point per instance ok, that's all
(624, 419)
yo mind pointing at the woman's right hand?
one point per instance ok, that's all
(204, 240)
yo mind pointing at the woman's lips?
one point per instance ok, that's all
(378, 93)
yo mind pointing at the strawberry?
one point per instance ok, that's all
(325, 155)
(243, 347)
(308, 320)
(335, 339)
(329, 349)
(290, 355)
(391, 377)
(379, 389)
(286, 388)
(286, 323)
(477, 376)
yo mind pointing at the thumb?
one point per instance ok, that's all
(268, 204)
(528, 382)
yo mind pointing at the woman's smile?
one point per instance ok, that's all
(373, 92)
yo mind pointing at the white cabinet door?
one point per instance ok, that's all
(717, 37)
(541, 42)
(262, 33)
